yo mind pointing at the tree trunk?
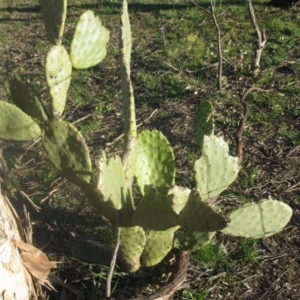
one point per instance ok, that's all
(16, 283)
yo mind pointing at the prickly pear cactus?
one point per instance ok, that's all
(178, 197)
(204, 122)
(216, 169)
(24, 96)
(158, 245)
(259, 220)
(112, 185)
(198, 215)
(58, 70)
(133, 241)
(193, 240)
(54, 14)
(67, 150)
(149, 230)
(155, 161)
(16, 125)
(88, 47)
(126, 40)
(154, 206)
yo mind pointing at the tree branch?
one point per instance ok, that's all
(261, 41)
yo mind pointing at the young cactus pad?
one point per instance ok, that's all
(216, 169)
(259, 220)
(204, 122)
(54, 14)
(88, 47)
(199, 216)
(58, 70)
(67, 150)
(155, 161)
(132, 244)
(154, 211)
(24, 96)
(15, 124)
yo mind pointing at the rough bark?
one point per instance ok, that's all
(16, 283)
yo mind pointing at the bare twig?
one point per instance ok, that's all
(242, 123)
(49, 195)
(113, 260)
(34, 206)
(261, 40)
(219, 41)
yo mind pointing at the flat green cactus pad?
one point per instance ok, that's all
(193, 240)
(178, 197)
(130, 130)
(113, 182)
(54, 14)
(105, 208)
(67, 150)
(15, 124)
(197, 215)
(154, 211)
(155, 161)
(158, 245)
(204, 122)
(58, 70)
(259, 220)
(24, 96)
(216, 169)
(132, 244)
(88, 47)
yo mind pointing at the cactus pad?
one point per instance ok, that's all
(154, 211)
(132, 244)
(155, 161)
(67, 150)
(126, 40)
(199, 216)
(54, 14)
(158, 245)
(58, 70)
(259, 220)
(24, 96)
(178, 197)
(216, 169)
(113, 182)
(16, 125)
(88, 47)
(193, 240)
(204, 122)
